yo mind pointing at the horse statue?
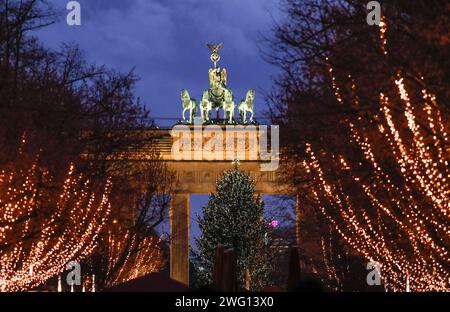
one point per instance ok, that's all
(228, 106)
(247, 106)
(205, 106)
(189, 104)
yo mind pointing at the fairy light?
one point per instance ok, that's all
(360, 231)
(142, 256)
(353, 89)
(330, 268)
(66, 231)
(336, 89)
(383, 39)
(407, 230)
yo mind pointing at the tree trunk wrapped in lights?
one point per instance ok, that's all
(131, 247)
(44, 226)
(131, 256)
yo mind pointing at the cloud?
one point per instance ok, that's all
(165, 41)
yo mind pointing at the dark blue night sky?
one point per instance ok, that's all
(165, 41)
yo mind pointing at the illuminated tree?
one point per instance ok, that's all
(366, 122)
(399, 216)
(234, 218)
(131, 256)
(130, 248)
(44, 226)
(86, 120)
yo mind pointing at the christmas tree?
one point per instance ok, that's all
(234, 217)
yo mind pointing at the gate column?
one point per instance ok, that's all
(179, 237)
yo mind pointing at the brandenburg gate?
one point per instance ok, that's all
(199, 149)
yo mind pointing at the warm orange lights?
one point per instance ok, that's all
(400, 217)
(137, 256)
(40, 231)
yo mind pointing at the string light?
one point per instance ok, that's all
(336, 89)
(407, 230)
(40, 232)
(142, 256)
(383, 39)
